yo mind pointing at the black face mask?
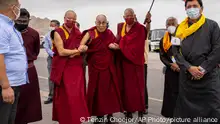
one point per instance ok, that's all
(21, 27)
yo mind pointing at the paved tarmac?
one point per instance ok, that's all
(155, 89)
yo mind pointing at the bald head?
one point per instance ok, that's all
(129, 11)
(70, 19)
(101, 23)
(70, 15)
(101, 18)
(129, 16)
(70, 12)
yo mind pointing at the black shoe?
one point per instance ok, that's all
(48, 101)
(145, 112)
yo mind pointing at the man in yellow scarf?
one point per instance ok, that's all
(198, 58)
(171, 76)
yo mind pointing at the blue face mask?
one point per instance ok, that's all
(193, 13)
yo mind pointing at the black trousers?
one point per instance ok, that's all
(146, 93)
(8, 111)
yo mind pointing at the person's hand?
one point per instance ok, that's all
(8, 95)
(201, 70)
(76, 54)
(148, 17)
(111, 46)
(116, 46)
(72, 56)
(175, 67)
(83, 48)
(195, 72)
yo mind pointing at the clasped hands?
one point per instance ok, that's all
(196, 72)
(175, 67)
(114, 46)
(81, 49)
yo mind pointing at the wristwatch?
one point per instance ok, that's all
(202, 69)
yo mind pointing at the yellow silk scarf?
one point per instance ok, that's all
(96, 33)
(65, 32)
(123, 30)
(166, 42)
(184, 30)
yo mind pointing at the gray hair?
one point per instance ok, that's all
(171, 18)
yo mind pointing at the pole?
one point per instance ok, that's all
(145, 21)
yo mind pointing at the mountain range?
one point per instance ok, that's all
(40, 24)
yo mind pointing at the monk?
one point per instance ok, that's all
(103, 91)
(67, 74)
(131, 37)
(29, 104)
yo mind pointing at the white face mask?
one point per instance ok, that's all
(171, 29)
(18, 14)
(51, 28)
(193, 13)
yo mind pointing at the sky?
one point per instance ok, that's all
(87, 10)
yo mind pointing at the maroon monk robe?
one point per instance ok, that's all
(29, 104)
(131, 66)
(103, 91)
(68, 75)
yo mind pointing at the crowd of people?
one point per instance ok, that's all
(117, 67)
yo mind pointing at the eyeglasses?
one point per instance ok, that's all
(129, 16)
(101, 23)
(70, 19)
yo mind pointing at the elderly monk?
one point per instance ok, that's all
(67, 74)
(103, 91)
(171, 82)
(131, 38)
(29, 104)
(199, 40)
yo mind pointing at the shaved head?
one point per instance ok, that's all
(129, 10)
(129, 16)
(101, 18)
(70, 19)
(101, 22)
(70, 12)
